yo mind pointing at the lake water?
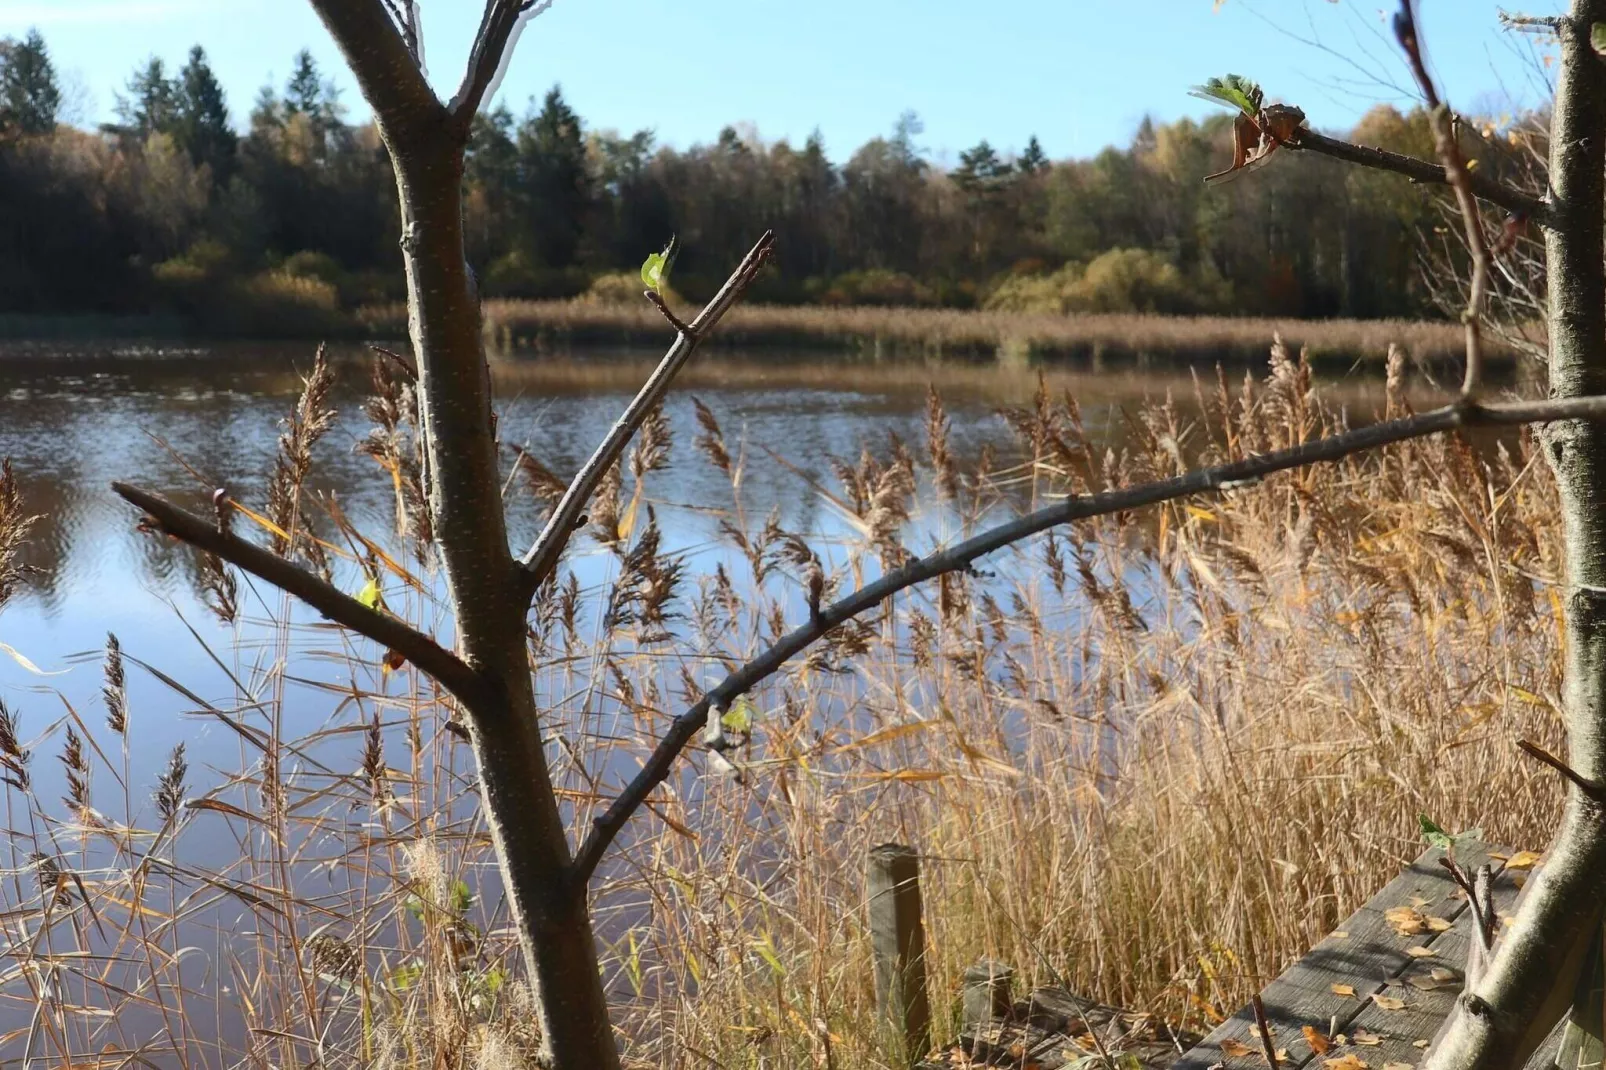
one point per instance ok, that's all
(183, 420)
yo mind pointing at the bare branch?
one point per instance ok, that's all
(1426, 173)
(549, 546)
(1551, 24)
(960, 556)
(1460, 179)
(485, 60)
(386, 70)
(1578, 780)
(418, 648)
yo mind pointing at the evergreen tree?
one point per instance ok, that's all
(151, 105)
(557, 181)
(29, 95)
(202, 126)
(981, 170)
(1033, 160)
(306, 93)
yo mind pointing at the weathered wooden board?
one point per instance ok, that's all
(1404, 984)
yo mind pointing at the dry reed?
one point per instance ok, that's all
(1105, 339)
(1158, 755)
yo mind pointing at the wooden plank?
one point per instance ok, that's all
(1364, 953)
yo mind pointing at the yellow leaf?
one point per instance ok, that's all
(1347, 1062)
(1342, 990)
(1523, 860)
(1316, 1039)
(1388, 1003)
(1233, 1048)
(1201, 514)
(1339, 934)
(1439, 925)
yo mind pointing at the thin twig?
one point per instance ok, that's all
(418, 648)
(560, 527)
(1265, 1031)
(1551, 24)
(1590, 789)
(1460, 180)
(1425, 172)
(959, 557)
(657, 299)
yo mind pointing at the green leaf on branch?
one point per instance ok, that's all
(655, 271)
(370, 595)
(1436, 836)
(1234, 90)
(740, 717)
(1597, 37)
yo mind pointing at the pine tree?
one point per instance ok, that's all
(29, 95)
(305, 93)
(552, 157)
(202, 126)
(981, 170)
(1034, 159)
(152, 103)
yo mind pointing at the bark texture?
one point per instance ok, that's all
(1530, 982)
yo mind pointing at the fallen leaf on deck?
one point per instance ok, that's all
(1419, 1043)
(1439, 925)
(1282, 1055)
(1389, 1003)
(1342, 990)
(1370, 1040)
(1233, 1048)
(1316, 1039)
(1418, 901)
(1398, 1066)
(1420, 952)
(1439, 973)
(1407, 921)
(1340, 934)
(1523, 860)
(1348, 1062)
(1425, 982)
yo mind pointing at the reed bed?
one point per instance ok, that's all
(1100, 340)
(1156, 756)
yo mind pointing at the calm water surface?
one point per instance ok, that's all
(180, 421)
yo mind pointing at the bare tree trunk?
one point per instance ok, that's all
(1502, 1018)
(486, 588)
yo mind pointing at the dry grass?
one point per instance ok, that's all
(1095, 339)
(1158, 755)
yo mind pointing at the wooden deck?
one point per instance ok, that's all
(1379, 986)
(1373, 994)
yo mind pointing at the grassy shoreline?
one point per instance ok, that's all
(1098, 341)
(1095, 342)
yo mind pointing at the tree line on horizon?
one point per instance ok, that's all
(173, 209)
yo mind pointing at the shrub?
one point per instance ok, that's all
(877, 287)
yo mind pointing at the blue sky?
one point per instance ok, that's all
(1080, 74)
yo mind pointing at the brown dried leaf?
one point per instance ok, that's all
(1439, 925)
(1388, 1003)
(1362, 1037)
(1420, 952)
(1234, 1048)
(1347, 1062)
(1342, 990)
(1316, 1039)
(1439, 973)
(1398, 1066)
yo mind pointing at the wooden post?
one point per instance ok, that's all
(987, 994)
(898, 944)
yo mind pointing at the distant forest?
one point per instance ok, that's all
(177, 208)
